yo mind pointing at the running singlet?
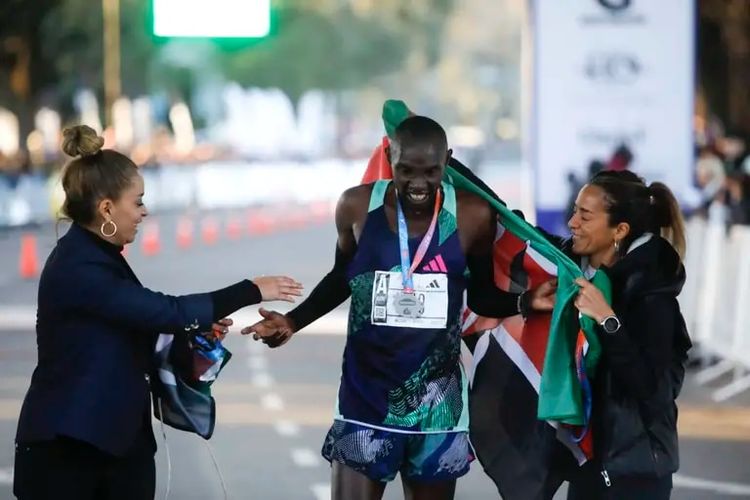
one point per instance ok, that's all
(401, 367)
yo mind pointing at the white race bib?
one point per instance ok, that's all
(427, 307)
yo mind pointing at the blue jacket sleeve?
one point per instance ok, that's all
(98, 290)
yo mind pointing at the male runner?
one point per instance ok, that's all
(403, 250)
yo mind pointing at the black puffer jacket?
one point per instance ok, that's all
(634, 414)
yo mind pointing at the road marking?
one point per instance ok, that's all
(321, 491)
(727, 423)
(262, 380)
(723, 487)
(272, 402)
(6, 475)
(287, 428)
(257, 362)
(14, 318)
(18, 318)
(244, 414)
(305, 457)
(254, 347)
(333, 323)
(10, 408)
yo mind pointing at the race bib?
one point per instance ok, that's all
(425, 307)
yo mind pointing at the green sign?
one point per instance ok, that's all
(212, 18)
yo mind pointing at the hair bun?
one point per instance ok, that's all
(81, 140)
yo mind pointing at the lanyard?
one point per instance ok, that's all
(407, 268)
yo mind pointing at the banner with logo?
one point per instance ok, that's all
(607, 74)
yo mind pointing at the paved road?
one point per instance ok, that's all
(275, 406)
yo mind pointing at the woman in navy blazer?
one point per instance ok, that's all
(84, 431)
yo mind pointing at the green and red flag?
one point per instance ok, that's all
(530, 389)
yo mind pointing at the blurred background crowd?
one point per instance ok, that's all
(310, 87)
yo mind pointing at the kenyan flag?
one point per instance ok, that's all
(529, 389)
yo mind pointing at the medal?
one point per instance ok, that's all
(407, 304)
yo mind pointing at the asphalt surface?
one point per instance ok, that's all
(274, 406)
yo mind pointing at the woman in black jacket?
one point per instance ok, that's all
(634, 233)
(85, 428)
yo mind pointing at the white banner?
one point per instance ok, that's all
(610, 72)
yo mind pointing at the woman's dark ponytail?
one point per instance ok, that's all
(646, 209)
(668, 216)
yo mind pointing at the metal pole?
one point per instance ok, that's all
(111, 12)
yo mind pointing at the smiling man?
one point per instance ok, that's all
(402, 253)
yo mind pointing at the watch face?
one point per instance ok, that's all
(611, 325)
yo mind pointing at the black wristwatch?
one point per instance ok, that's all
(610, 324)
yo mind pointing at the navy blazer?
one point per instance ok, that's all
(96, 332)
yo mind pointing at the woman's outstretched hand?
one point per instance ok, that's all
(278, 288)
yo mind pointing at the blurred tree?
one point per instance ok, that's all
(72, 42)
(724, 60)
(24, 71)
(339, 45)
(312, 50)
(51, 48)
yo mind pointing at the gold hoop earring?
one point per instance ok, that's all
(114, 229)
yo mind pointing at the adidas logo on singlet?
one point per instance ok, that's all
(436, 264)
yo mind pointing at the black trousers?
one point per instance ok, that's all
(588, 484)
(66, 469)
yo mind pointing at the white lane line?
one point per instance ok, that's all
(321, 491)
(724, 487)
(257, 362)
(262, 380)
(18, 318)
(6, 475)
(14, 318)
(272, 402)
(287, 428)
(305, 457)
(254, 346)
(333, 323)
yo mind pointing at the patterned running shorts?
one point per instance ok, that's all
(380, 454)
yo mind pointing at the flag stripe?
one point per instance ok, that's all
(541, 261)
(519, 357)
(516, 450)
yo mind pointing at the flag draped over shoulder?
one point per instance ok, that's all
(530, 387)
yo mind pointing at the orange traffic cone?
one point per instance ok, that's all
(323, 211)
(151, 243)
(184, 233)
(250, 217)
(297, 219)
(259, 223)
(28, 263)
(234, 229)
(210, 231)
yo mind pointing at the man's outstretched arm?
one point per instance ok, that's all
(330, 293)
(275, 329)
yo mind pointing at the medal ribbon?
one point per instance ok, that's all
(407, 268)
